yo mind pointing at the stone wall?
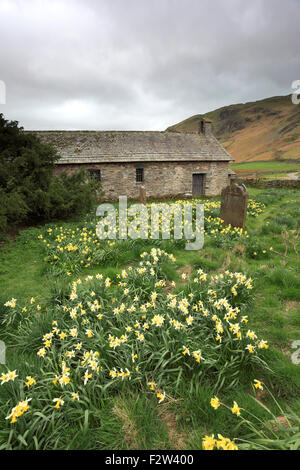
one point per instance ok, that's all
(266, 183)
(161, 179)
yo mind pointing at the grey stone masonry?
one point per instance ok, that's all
(161, 179)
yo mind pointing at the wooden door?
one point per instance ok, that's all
(198, 184)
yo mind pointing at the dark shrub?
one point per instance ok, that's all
(29, 192)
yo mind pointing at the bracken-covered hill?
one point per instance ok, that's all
(268, 129)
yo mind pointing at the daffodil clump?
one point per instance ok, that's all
(265, 433)
(15, 312)
(18, 410)
(131, 331)
(72, 248)
(222, 443)
(255, 208)
(256, 250)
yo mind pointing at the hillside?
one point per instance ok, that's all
(268, 129)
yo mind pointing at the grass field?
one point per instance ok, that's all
(110, 353)
(272, 165)
(276, 176)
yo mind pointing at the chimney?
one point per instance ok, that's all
(205, 127)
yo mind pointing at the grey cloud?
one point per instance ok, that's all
(135, 64)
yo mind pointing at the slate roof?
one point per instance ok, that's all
(133, 146)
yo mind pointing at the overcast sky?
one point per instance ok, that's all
(142, 64)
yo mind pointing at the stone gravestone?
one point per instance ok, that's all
(143, 197)
(234, 202)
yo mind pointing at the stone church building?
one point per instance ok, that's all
(166, 163)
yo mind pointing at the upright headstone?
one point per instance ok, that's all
(143, 197)
(234, 202)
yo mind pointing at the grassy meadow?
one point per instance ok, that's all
(272, 166)
(141, 344)
(267, 170)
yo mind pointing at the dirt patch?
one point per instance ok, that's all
(281, 421)
(286, 351)
(225, 264)
(185, 270)
(260, 395)
(168, 287)
(176, 439)
(128, 427)
(239, 250)
(290, 305)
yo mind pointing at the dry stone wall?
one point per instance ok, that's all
(265, 183)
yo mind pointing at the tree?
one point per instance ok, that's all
(28, 189)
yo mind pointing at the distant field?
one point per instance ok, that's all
(275, 175)
(266, 166)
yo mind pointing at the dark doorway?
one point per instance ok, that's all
(198, 184)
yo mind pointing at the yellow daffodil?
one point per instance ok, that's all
(236, 409)
(258, 384)
(215, 403)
